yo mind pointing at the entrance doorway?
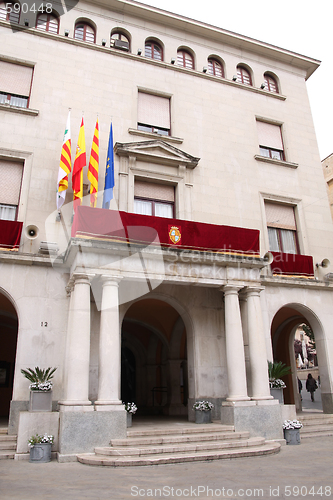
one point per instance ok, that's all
(154, 359)
(285, 324)
(8, 342)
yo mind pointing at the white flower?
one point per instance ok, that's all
(130, 407)
(203, 406)
(277, 383)
(292, 424)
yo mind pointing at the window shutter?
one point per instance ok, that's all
(10, 182)
(154, 191)
(15, 79)
(269, 135)
(154, 110)
(280, 216)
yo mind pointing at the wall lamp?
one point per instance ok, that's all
(205, 69)
(324, 263)
(173, 60)
(103, 42)
(234, 78)
(66, 32)
(262, 86)
(139, 52)
(26, 22)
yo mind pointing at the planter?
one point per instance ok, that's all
(278, 394)
(203, 417)
(40, 401)
(40, 452)
(129, 419)
(292, 436)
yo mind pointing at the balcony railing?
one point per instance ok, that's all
(287, 264)
(111, 225)
(10, 234)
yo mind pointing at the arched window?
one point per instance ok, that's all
(85, 32)
(153, 50)
(215, 67)
(119, 40)
(10, 12)
(270, 83)
(185, 59)
(243, 76)
(48, 22)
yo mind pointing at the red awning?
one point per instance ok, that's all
(292, 265)
(10, 234)
(111, 225)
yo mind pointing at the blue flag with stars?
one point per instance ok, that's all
(109, 174)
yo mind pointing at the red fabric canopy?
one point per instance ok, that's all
(10, 234)
(292, 265)
(133, 228)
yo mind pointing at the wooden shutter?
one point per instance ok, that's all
(269, 135)
(154, 191)
(154, 110)
(15, 79)
(280, 216)
(10, 182)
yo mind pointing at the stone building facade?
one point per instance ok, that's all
(206, 262)
(327, 164)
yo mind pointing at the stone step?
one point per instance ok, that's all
(246, 451)
(316, 434)
(316, 428)
(179, 448)
(317, 421)
(11, 445)
(7, 455)
(200, 429)
(5, 438)
(182, 438)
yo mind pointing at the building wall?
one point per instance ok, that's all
(327, 164)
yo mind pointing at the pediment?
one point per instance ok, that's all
(156, 151)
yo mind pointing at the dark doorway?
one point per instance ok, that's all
(128, 376)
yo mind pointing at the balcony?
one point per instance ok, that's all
(10, 234)
(292, 265)
(110, 225)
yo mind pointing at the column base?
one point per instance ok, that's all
(234, 399)
(109, 406)
(75, 406)
(259, 418)
(81, 432)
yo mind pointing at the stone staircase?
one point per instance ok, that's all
(316, 425)
(174, 445)
(7, 445)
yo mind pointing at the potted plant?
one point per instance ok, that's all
(40, 448)
(276, 384)
(40, 388)
(291, 431)
(131, 409)
(203, 412)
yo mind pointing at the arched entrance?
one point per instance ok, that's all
(154, 358)
(283, 328)
(8, 341)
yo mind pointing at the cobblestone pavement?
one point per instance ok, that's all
(304, 471)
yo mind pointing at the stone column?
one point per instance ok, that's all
(109, 348)
(234, 345)
(78, 347)
(257, 346)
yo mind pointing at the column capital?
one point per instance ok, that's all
(231, 289)
(253, 290)
(81, 278)
(110, 279)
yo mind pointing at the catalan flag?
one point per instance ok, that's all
(93, 167)
(109, 173)
(65, 164)
(79, 163)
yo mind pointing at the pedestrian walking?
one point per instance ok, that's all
(300, 387)
(311, 386)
